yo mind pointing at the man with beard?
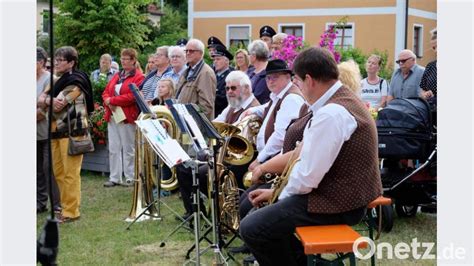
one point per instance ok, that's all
(239, 96)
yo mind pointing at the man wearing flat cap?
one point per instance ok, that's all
(286, 101)
(266, 34)
(221, 58)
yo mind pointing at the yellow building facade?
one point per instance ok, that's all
(371, 24)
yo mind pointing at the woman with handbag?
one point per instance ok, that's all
(72, 103)
(121, 111)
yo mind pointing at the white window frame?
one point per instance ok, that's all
(352, 24)
(228, 26)
(302, 25)
(420, 40)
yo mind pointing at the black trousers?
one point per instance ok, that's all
(269, 231)
(185, 180)
(42, 177)
(244, 204)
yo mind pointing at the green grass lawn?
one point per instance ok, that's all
(100, 238)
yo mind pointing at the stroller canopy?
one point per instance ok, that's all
(412, 114)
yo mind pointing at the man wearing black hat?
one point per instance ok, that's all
(221, 58)
(211, 45)
(266, 34)
(286, 101)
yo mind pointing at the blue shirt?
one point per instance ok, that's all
(406, 87)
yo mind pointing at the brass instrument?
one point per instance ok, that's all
(239, 150)
(145, 158)
(235, 151)
(280, 181)
(249, 127)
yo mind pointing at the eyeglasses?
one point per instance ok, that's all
(190, 51)
(125, 58)
(158, 54)
(271, 77)
(175, 56)
(233, 88)
(59, 60)
(402, 61)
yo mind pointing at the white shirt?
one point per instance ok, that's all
(372, 94)
(323, 138)
(222, 116)
(289, 109)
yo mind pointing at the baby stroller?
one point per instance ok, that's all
(407, 153)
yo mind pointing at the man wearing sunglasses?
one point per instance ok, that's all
(405, 82)
(239, 96)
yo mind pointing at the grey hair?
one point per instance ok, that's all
(164, 49)
(198, 43)
(279, 37)
(260, 49)
(106, 56)
(241, 77)
(434, 34)
(410, 52)
(176, 50)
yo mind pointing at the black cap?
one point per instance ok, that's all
(267, 31)
(222, 51)
(276, 66)
(182, 42)
(213, 41)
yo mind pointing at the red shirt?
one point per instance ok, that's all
(125, 99)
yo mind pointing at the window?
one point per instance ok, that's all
(418, 40)
(292, 29)
(345, 35)
(238, 35)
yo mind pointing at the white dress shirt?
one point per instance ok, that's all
(222, 116)
(289, 109)
(323, 138)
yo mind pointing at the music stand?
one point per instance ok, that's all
(207, 130)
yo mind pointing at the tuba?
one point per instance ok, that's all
(235, 150)
(249, 127)
(145, 160)
(239, 150)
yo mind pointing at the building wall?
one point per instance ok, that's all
(219, 5)
(426, 5)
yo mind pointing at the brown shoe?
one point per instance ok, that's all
(64, 219)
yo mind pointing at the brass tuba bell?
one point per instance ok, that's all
(239, 150)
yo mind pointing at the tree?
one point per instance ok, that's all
(95, 27)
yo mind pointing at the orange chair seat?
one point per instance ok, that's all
(328, 239)
(380, 201)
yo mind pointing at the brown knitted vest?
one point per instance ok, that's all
(232, 117)
(294, 132)
(353, 181)
(271, 120)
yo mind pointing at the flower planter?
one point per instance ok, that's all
(98, 160)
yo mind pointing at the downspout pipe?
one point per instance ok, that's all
(406, 23)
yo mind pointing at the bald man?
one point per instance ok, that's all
(405, 82)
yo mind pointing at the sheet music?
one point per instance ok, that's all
(193, 127)
(118, 115)
(167, 148)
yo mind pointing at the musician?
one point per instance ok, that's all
(198, 82)
(286, 101)
(336, 177)
(239, 96)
